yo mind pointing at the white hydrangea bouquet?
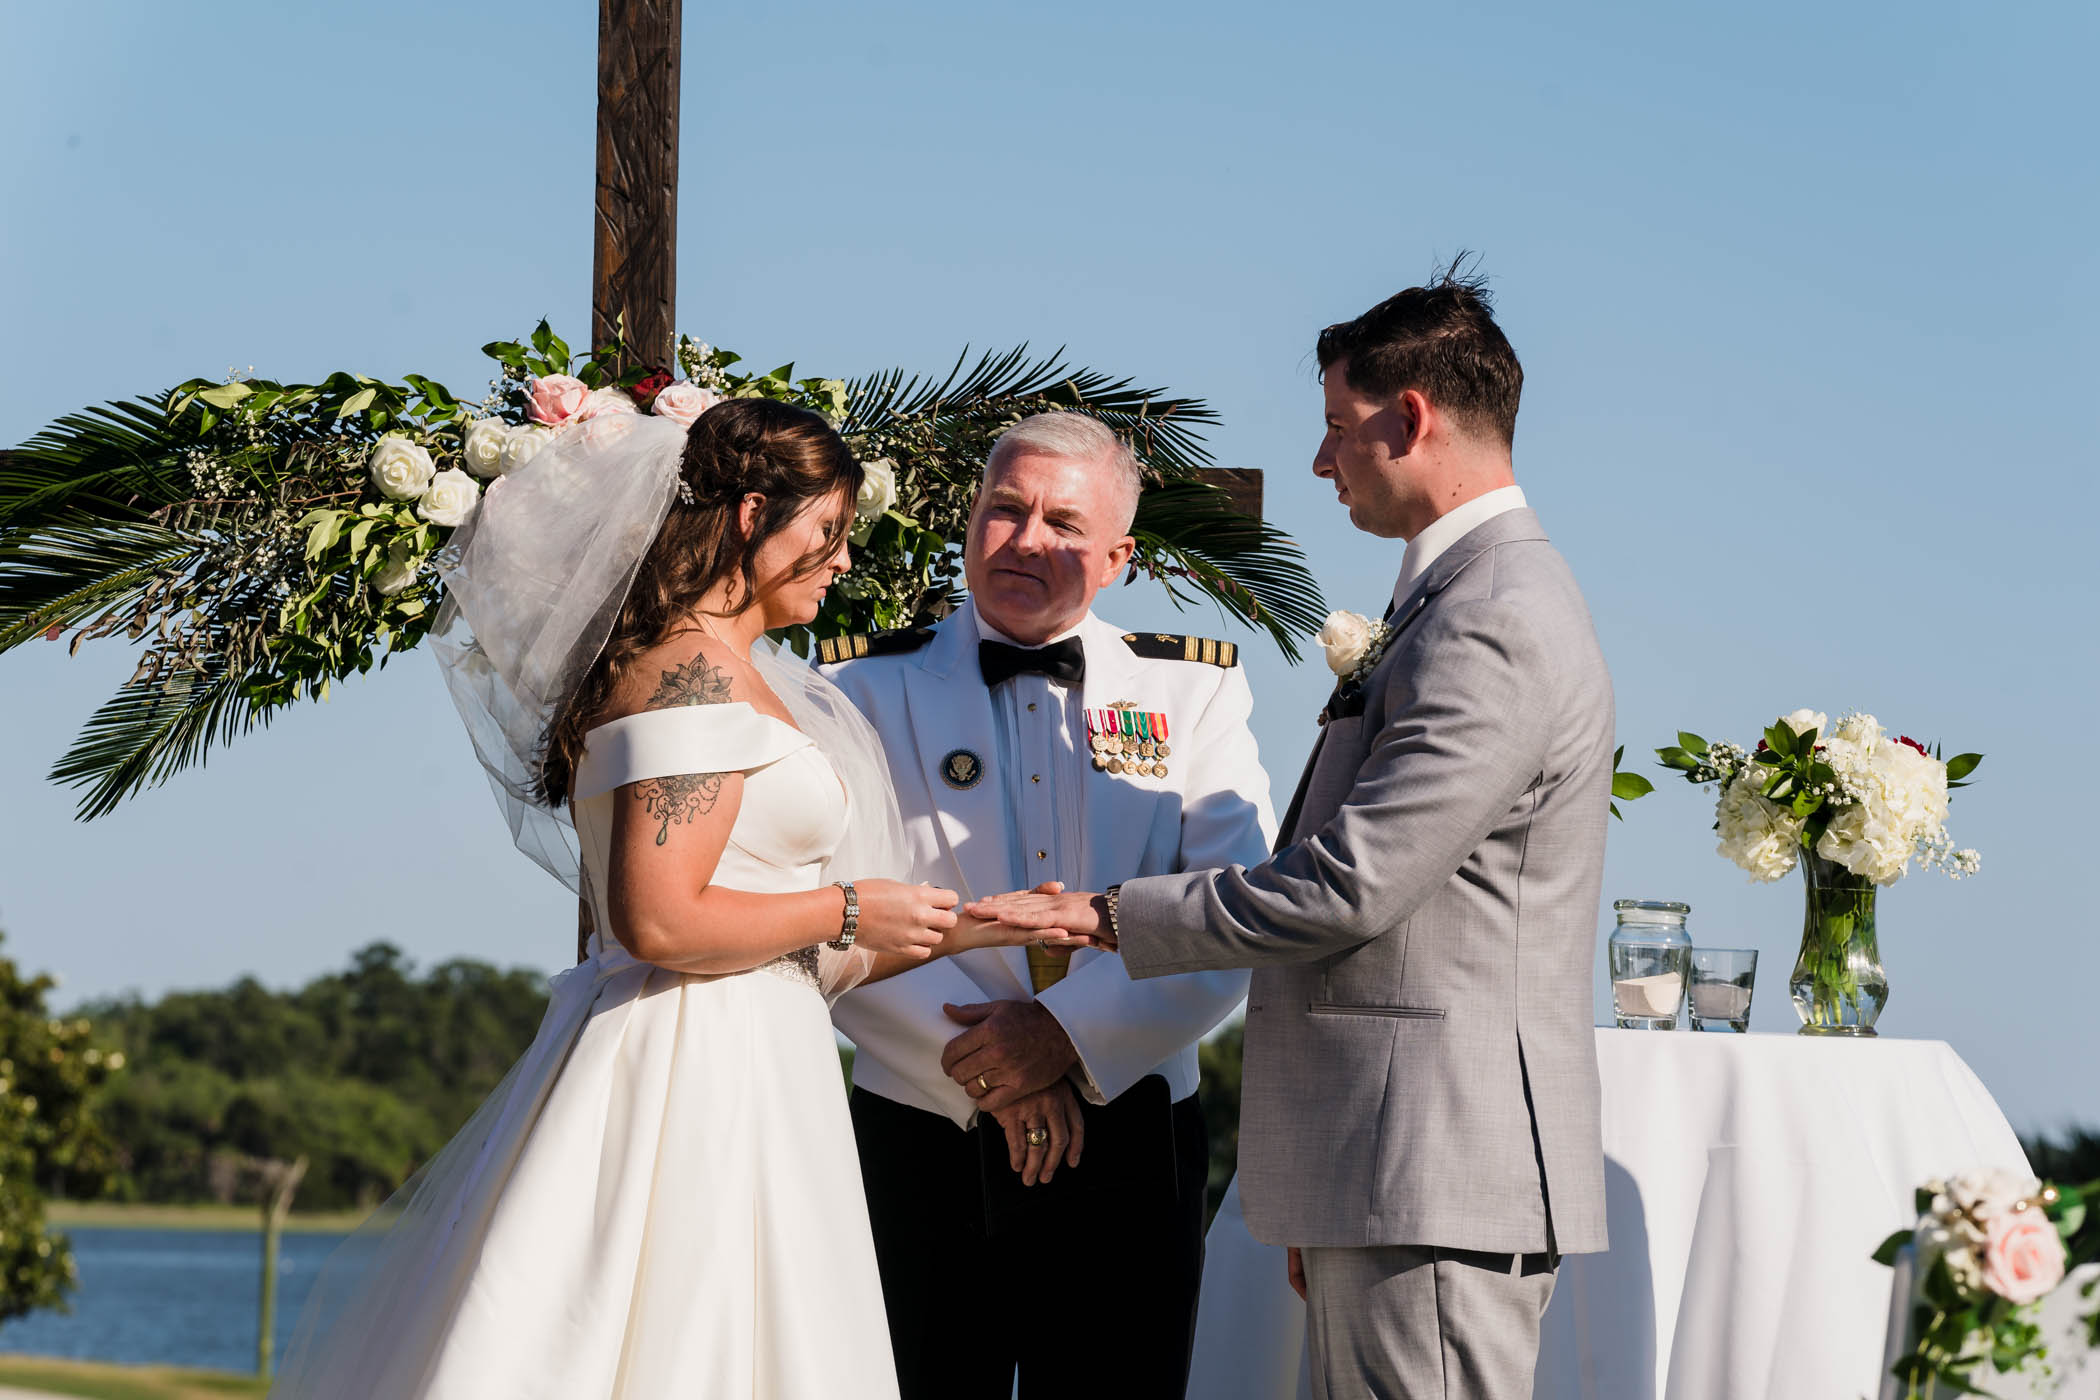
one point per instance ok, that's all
(1988, 1246)
(1853, 806)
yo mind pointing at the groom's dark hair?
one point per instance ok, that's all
(1440, 340)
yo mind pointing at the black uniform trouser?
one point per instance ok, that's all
(981, 1274)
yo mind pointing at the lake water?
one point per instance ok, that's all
(175, 1297)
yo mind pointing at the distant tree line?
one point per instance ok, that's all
(368, 1071)
(364, 1072)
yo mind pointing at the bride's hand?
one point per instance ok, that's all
(910, 921)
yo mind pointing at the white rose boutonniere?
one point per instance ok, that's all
(482, 447)
(878, 489)
(1353, 643)
(450, 499)
(400, 469)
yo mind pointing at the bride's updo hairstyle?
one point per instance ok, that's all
(788, 455)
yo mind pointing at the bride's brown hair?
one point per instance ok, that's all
(788, 455)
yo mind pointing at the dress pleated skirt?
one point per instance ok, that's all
(662, 1199)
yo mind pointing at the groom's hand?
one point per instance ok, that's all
(1075, 920)
(1011, 1049)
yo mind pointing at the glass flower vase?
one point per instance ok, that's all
(1838, 984)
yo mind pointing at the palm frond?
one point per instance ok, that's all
(1165, 430)
(71, 575)
(152, 729)
(1190, 537)
(109, 461)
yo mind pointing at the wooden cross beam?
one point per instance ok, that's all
(634, 253)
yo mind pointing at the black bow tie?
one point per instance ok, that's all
(1060, 661)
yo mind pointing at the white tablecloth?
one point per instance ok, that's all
(1748, 1179)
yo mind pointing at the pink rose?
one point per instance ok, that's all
(600, 402)
(684, 401)
(556, 398)
(2023, 1258)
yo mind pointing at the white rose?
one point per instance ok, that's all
(1803, 721)
(603, 401)
(483, 446)
(683, 401)
(878, 489)
(450, 500)
(395, 575)
(1983, 1193)
(400, 469)
(1346, 636)
(521, 444)
(1759, 835)
(1863, 730)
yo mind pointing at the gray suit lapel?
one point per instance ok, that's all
(1510, 526)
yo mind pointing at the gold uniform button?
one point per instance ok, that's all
(1042, 855)
(1035, 777)
(1031, 707)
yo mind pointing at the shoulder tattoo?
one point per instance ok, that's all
(698, 682)
(678, 799)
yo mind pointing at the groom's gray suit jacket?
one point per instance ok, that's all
(1420, 1067)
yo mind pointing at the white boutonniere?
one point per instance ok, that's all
(1354, 644)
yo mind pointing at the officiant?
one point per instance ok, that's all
(1028, 1120)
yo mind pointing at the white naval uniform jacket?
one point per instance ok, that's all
(1211, 809)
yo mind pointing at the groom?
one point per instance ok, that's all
(1027, 1121)
(1420, 1097)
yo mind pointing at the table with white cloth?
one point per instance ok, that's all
(1748, 1179)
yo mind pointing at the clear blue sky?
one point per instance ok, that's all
(1805, 294)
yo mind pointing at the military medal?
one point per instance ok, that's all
(1125, 739)
(1099, 737)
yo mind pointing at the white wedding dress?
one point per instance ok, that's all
(663, 1198)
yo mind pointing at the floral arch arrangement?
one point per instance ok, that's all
(263, 540)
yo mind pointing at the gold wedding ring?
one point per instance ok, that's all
(982, 1086)
(1038, 1137)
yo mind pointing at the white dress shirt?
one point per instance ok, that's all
(1041, 729)
(1448, 529)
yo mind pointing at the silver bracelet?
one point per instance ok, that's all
(849, 929)
(1110, 896)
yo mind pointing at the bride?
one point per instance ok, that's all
(662, 1198)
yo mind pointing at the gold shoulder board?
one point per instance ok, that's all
(1170, 646)
(833, 650)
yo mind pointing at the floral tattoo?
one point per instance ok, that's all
(697, 682)
(678, 799)
(684, 797)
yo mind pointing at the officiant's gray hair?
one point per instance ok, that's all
(1076, 437)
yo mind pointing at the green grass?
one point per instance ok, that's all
(66, 1215)
(97, 1380)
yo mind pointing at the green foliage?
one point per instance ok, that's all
(1626, 787)
(49, 1071)
(2073, 1156)
(1220, 1058)
(234, 530)
(364, 1072)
